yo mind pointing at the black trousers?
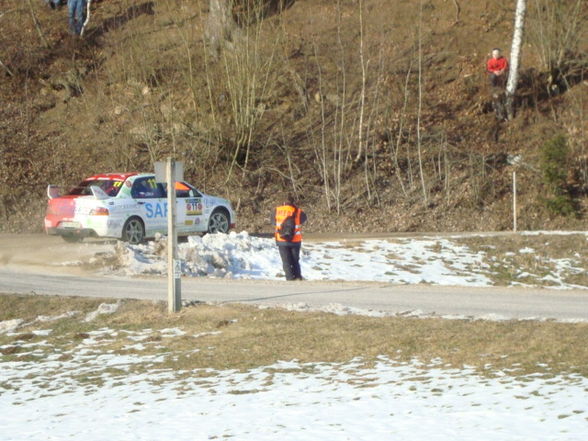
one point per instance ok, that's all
(290, 255)
(497, 80)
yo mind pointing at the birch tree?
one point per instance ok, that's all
(220, 26)
(515, 56)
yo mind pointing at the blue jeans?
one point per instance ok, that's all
(77, 15)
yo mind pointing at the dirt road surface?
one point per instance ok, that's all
(36, 264)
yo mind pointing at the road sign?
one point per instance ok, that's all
(161, 171)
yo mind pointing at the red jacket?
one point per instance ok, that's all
(495, 65)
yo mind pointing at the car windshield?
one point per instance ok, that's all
(109, 186)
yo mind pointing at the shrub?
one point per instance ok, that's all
(554, 167)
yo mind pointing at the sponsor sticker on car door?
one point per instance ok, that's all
(190, 208)
(194, 211)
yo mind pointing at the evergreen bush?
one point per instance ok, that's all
(554, 167)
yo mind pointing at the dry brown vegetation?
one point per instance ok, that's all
(250, 337)
(374, 112)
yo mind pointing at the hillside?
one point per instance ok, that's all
(375, 113)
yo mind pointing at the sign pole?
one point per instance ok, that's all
(514, 201)
(174, 270)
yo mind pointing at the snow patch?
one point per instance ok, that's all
(52, 318)
(206, 334)
(104, 308)
(7, 326)
(336, 401)
(339, 309)
(42, 332)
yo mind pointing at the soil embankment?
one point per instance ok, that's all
(375, 114)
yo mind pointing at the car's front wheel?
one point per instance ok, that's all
(133, 231)
(219, 222)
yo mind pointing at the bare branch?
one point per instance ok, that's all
(457, 11)
(6, 69)
(37, 25)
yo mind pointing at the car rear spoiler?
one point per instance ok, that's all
(98, 192)
(53, 191)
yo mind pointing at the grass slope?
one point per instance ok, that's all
(240, 337)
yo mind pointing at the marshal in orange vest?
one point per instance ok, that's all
(282, 213)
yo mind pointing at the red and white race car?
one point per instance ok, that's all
(132, 207)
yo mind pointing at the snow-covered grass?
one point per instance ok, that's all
(484, 260)
(123, 378)
(288, 401)
(553, 260)
(76, 368)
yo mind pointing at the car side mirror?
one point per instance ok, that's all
(54, 191)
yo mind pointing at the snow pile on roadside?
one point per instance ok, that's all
(240, 256)
(335, 401)
(331, 308)
(342, 310)
(217, 255)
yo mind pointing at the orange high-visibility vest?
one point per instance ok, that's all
(282, 212)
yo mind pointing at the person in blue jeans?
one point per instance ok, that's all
(77, 15)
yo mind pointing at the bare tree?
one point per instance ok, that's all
(220, 25)
(363, 80)
(420, 102)
(515, 56)
(556, 29)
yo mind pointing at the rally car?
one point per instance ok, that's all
(132, 207)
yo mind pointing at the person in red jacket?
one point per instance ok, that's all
(497, 68)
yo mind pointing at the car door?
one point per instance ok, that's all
(190, 209)
(150, 204)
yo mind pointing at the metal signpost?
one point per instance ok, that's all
(514, 201)
(172, 172)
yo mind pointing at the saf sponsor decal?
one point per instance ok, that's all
(156, 210)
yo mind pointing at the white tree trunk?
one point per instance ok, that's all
(515, 56)
(220, 25)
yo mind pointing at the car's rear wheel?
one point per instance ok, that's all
(219, 222)
(133, 231)
(72, 239)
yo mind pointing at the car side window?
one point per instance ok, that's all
(144, 188)
(194, 193)
(183, 191)
(162, 189)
